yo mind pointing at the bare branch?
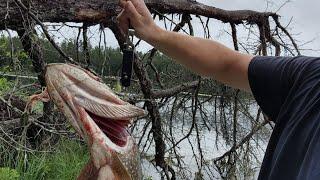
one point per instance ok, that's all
(44, 29)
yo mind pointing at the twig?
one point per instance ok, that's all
(44, 29)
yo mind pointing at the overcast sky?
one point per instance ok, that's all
(304, 13)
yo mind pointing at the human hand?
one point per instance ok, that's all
(136, 13)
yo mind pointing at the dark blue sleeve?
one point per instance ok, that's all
(288, 91)
(272, 79)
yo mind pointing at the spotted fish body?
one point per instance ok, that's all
(98, 116)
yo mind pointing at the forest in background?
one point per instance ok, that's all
(104, 61)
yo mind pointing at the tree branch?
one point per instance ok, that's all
(96, 11)
(44, 29)
(175, 90)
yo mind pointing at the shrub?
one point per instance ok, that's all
(8, 174)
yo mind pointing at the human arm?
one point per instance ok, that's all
(205, 57)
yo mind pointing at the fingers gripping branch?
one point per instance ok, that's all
(136, 13)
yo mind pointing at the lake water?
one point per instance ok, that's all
(213, 144)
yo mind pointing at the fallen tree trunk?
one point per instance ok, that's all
(97, 11)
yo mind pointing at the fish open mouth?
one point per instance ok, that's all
(115, 130)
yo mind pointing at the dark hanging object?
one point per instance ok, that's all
(127, 61)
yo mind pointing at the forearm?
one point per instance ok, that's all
(205, 57)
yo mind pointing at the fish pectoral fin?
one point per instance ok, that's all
(110, 110)
(44, 97)
(119, 169)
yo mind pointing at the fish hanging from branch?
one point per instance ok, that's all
(99, 116)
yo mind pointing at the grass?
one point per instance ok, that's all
(63, 164)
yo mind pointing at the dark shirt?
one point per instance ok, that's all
(288, 92)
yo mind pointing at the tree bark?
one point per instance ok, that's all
(34, 50)
(29, 42)
(152, 107)
(97, 11)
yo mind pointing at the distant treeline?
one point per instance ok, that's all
(105, 61)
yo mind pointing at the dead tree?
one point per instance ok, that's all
(22, 16)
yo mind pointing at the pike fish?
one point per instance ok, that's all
(99, 116)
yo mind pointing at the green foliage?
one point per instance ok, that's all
(68, 161)
(117, 87)
(147, 178)
(38, 107)
(5, 86)
(65, 163)
(8, 174)
(37, 168)
(22, 56)
(8, 55)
